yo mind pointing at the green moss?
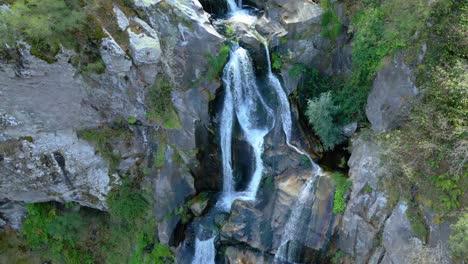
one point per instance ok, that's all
(331, 25)
(160, 158)
(103, 137)
(216, 64)
(161, 109)
(418, 225)
(342, 185)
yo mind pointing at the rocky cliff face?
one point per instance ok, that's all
(45, 158)
(48, 154)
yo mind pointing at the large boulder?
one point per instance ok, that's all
(235, 255)
(398, 239)
(367, 208)
(391, 96)
(114, 56)
(145, 49)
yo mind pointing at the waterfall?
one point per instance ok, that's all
(285, 111)
(243, 100)
(232, 5)
(294, 228)
(204, 251)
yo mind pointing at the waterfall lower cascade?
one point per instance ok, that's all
(294, 229)
(204, 251)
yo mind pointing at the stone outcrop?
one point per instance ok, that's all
(367, 208)
(44, 106)
(41, 157)
(391, 96)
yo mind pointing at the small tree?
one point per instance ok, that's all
(321, 114)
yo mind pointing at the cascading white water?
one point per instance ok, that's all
(243, 98)
(285, 112)
(293, 229)
(232, 5)
(204, 251)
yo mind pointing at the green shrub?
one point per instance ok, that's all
(331, 25)
(58, 232)
(72, 234)
(342, 185)
(126, 202)
(320, 114)
(276, 61)
(458, 238)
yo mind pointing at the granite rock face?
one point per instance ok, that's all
(45, 106)
(42, 158)
(391, 96)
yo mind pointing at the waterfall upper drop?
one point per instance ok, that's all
(232, 5)
(244, 101)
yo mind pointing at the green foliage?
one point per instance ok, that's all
(59, 233)
(449, 189)
(416, 218)
(276, 61)
(132, 120)
(229, 31)
(161, 109)
(71, 234)
(458, 238)
(160, 158)
(49, 24)
(217, 63)
(44, 24)
(296, 70)
(429, 151)
(320, 114)
(331, 25)
(103, 137)
(342, 185)
(126, 202)
(338, 257)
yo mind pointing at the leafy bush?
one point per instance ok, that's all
(276, 61)
(59, 233)
(126, 202)
(342, 185)
(429, 152)
(320, 114)
(458, 238)
(72, 234)
(331, 25)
